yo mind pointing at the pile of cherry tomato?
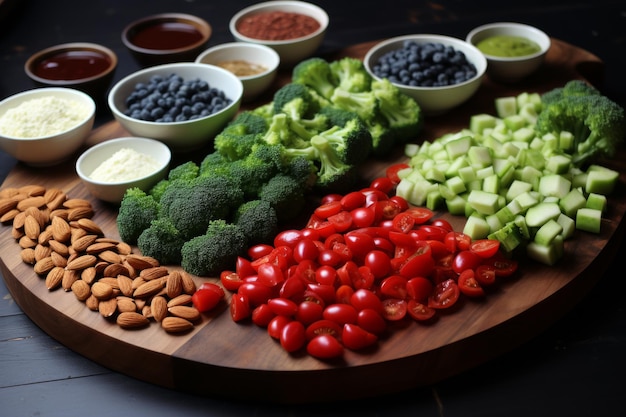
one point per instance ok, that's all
(364, 261)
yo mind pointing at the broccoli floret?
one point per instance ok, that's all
(236, 140)
(161, 241)
(383, 138)
(571, 88)
(247, 122)
(333, 174)
(315, 73)
(337, 116)
(597, 123)
(362, 103)
(185, 171)
(158, 189)
(213, 251)
(352, 142)
(258, 221)
(278, 132)
(252, 172)
(137, 210)
(350, 75)
(214, 164)
(191, 205)
(302, 170)
(294, 100)
(285, 194)
(401, 113)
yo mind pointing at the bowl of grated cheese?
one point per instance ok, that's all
(111, 167)
(45, 126)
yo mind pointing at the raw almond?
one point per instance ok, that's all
(61, 230)
(42, 251)
(186, 312)
(125, 284)
(174, 284)
(32, 228)
(36, 201)
(81, 290)
(140, 262)
(149, 288)
(7, 205)
(113, 270)
(79, 213)
(124, 248)
(176, 325)
(181, 300)
(88, 275)
(101, 290)
(107, 307)
(154, 273)
(189, 286)
(51, 194)
(69, 278)
(9, 216)
(131, 320)
(126, 304)
(33, 190)
(82, 243)
(45, 236)
(82, 262)
(92, 303)
(58, 260)
(43, 266)
(26, 242)
(90, 226)
(98, 247)
(54, 278)
(76, 202)
(28, 256)
(59, 247)
(112, 281)
(110, 256)
(158, 308)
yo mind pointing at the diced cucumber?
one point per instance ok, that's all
(458, 147)
(540, 213)
(589, 220)
(554, 185)
(601, 180)
(548, 232)
(548, 255)
(456, 205)
(571, 202)
(506, 106)
(479, 156)
(559, 164)
(480, 122)
(516, 188)
(596, 201)
(484, 202)
(568, 224)
(476, 227)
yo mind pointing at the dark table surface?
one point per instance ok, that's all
(574, 368)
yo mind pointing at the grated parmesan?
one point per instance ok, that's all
(124, 165)
(42, 116)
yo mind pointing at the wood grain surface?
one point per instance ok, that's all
(221, 358)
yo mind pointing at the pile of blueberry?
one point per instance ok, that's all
(429, 64)
(172, 99)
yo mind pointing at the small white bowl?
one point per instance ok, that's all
(291, 51)
(113, 192)
(433, 100)
(51, 149)
(512, 69)
(250, 53)
(183, 135)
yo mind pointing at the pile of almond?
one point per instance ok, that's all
(67, 248)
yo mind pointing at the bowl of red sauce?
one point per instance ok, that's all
(166, 38)
(87, 67)
(294, 29)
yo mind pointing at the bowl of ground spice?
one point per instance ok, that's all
(45, 126)
(111, 167)
(255, 65)
(294, 29)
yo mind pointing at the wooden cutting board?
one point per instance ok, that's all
(221, 358)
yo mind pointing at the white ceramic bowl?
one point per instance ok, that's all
(184, 135)
(113, 192)
(511, 69)
(291, 51)
(434, 100)
(48, 149)
(250, 53)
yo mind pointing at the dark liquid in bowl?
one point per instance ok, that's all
(166, 35)
(72, 65)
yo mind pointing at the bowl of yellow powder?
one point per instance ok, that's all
(45, 126)
(111, 167)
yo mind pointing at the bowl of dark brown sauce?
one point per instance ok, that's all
(84, 66)
(166, 38)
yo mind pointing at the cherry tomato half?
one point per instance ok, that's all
(445, 295)
(324, 346)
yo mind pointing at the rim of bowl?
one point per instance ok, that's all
(243, 45)
(46, 91)
(166, 69)
(302, 7)
(481, 67)
(202, 25)
(502, 25)
(111, 143)
(72, 46)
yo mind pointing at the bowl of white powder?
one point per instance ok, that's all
(45, 126)
(111, 167)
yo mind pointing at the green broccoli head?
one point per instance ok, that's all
(294, 100)
(236, 140)
(352, 141)
(383, 138)
(401, 113)
(362, 103)
(251, 172)
(333, 174)
(161, 241)
(191, 205)
(571, 88)
(214, 164)
(316, 74)
(285, 194)
(597, 123)
(137, 210)
(185, 171)
(350, 74)
(158, 189)
(258, 221)
(215, 250)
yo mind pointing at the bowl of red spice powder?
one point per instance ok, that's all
(294, 29)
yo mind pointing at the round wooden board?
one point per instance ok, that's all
(221, 358)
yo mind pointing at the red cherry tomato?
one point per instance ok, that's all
(283, 306)
(205, 299)
(420, 263)
(262, 315)
(465, 260)
(287, 238)
(504, 266)
(258, 251)
(356, 338)
(383, 184)
(353, 200)
(468, 284)
(378, 262)
(394, 309)
(485, 248)
(372, 321)
(309, 312)
(323, 327)
(328, 209)
(305, 249)
(419, 288)
(340, 313)
(392, 171)
(485, 274)
(342, 221)
(344, 294)
(292, 336)
(366, 299)
(324, 347)
(394, 286)
(255, 292)
(359, 244)
(403, 222)
(270, 275)
(420, 311)
(363, 216)
(276, 325)
(239, 307)
(230, 280)
(420, 214)
(445, 295)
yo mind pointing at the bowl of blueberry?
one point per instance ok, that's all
(183, 105)
(439, 72)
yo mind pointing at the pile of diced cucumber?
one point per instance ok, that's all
(511, 184)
